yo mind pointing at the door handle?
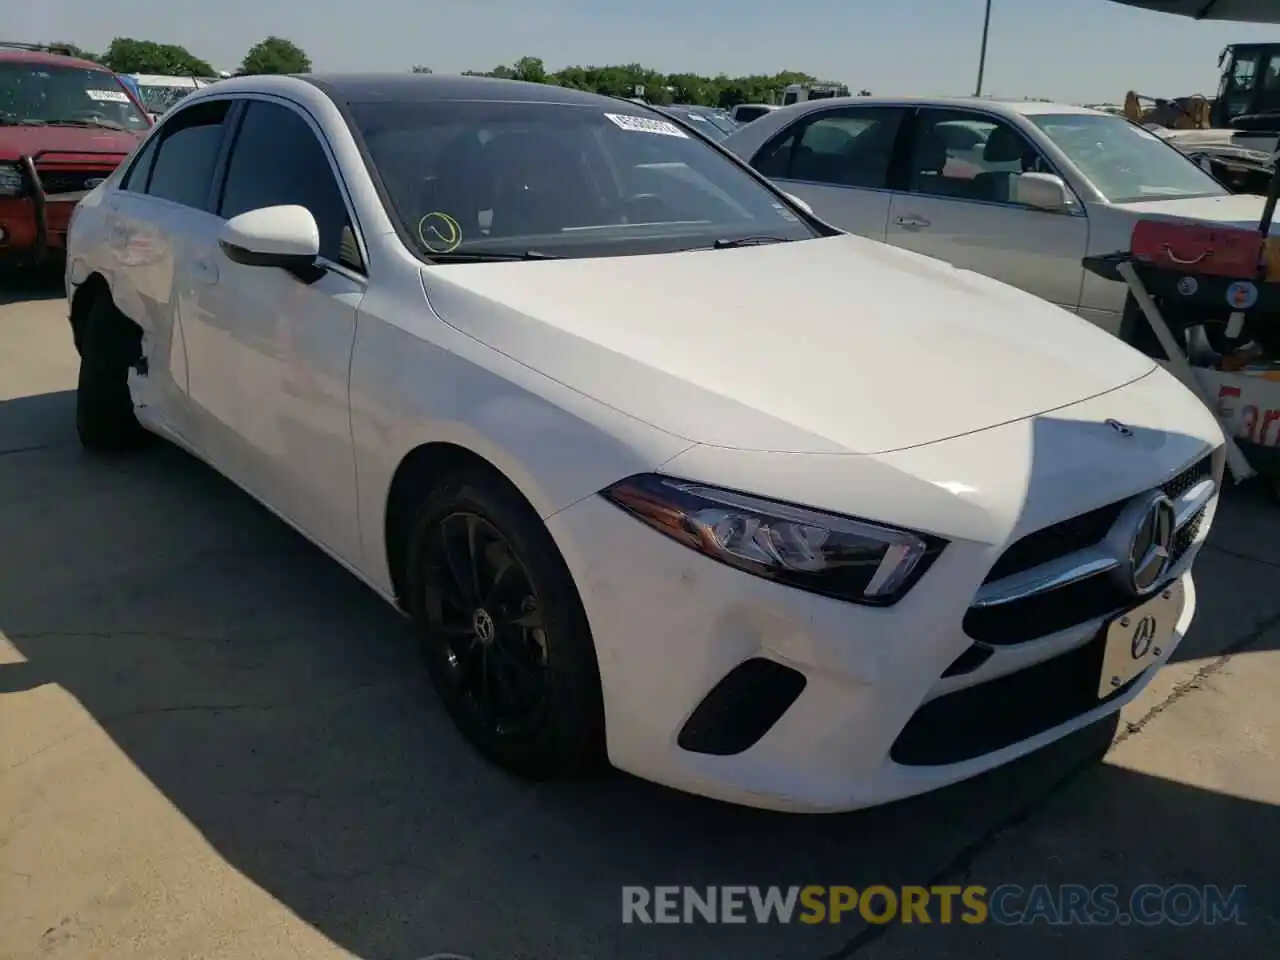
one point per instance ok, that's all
(912, 222)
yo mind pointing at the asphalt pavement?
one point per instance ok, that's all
(217, 744)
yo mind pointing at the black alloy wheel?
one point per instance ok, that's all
(483, 613)
(504, 636)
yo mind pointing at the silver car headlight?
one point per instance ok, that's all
(836, 556)
(12, 183)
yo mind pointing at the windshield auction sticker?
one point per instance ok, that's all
(107, 96)
(439, 233)
(646, 125)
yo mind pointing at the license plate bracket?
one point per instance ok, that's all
(1138, 638)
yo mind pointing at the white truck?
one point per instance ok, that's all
(800, 92)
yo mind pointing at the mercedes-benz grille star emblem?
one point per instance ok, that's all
(1120, 428)
(1151, 545)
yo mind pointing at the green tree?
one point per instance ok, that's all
(529, 69)
(420, 68)
(128, 55)
(621, 80)
(275, 55)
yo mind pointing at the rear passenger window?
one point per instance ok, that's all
(277, 159)
(848, 148)
(183, 167)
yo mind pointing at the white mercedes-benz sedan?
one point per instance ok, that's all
(666, 472)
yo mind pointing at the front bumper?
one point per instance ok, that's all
(33, 226)
(670, 625)
(891, 702)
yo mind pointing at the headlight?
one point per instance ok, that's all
(11, 180)
(823, 553)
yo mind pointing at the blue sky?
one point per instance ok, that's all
(1077, 50)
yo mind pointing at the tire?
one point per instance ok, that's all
(561, 734)
(105, 418)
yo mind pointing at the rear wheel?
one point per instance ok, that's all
(503, 632)
(110, 345)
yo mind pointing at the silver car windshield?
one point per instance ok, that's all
(1125, 162)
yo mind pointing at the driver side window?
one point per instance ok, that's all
(278, 160)
(969, 156)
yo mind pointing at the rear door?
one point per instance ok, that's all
(160, 231)
(838, 161)
(270, 352)
(958, 206)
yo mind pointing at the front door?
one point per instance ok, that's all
(271, 372)
(958, 207)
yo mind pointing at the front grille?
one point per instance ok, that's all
(1201, 470)
(1077, 533)
(1044, 613)
(1055, 541)
(981, 719)
(1041, 614)
(68, 181)
(1187, 535)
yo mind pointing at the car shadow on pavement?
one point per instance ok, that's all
(25, 285)
(37, 423)
(278, 705)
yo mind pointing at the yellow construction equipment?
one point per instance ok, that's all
(1180, 113)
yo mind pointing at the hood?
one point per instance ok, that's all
(1215, 137)
(838, 344)
(1240, 209)
(25, 141)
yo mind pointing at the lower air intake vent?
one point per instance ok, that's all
(741, 708)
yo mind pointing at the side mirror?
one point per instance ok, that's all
(799, 203)
(1042, 191)
(286, 237)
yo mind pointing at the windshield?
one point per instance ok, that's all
(1124, 161)
(41, 93)
(710, 123)
(159, 99)
(561, 180)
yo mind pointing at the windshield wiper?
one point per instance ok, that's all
(746, 242)
(106, 124)
(479, 256)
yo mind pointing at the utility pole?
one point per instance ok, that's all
(982, 57)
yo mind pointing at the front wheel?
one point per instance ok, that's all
(503, 633)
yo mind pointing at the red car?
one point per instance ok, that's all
(65, 124)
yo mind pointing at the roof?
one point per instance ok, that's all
(1008, 108)
(363, 88)
(1241, 11)
(15, 55)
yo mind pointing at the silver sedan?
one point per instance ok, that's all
(1020, 191)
